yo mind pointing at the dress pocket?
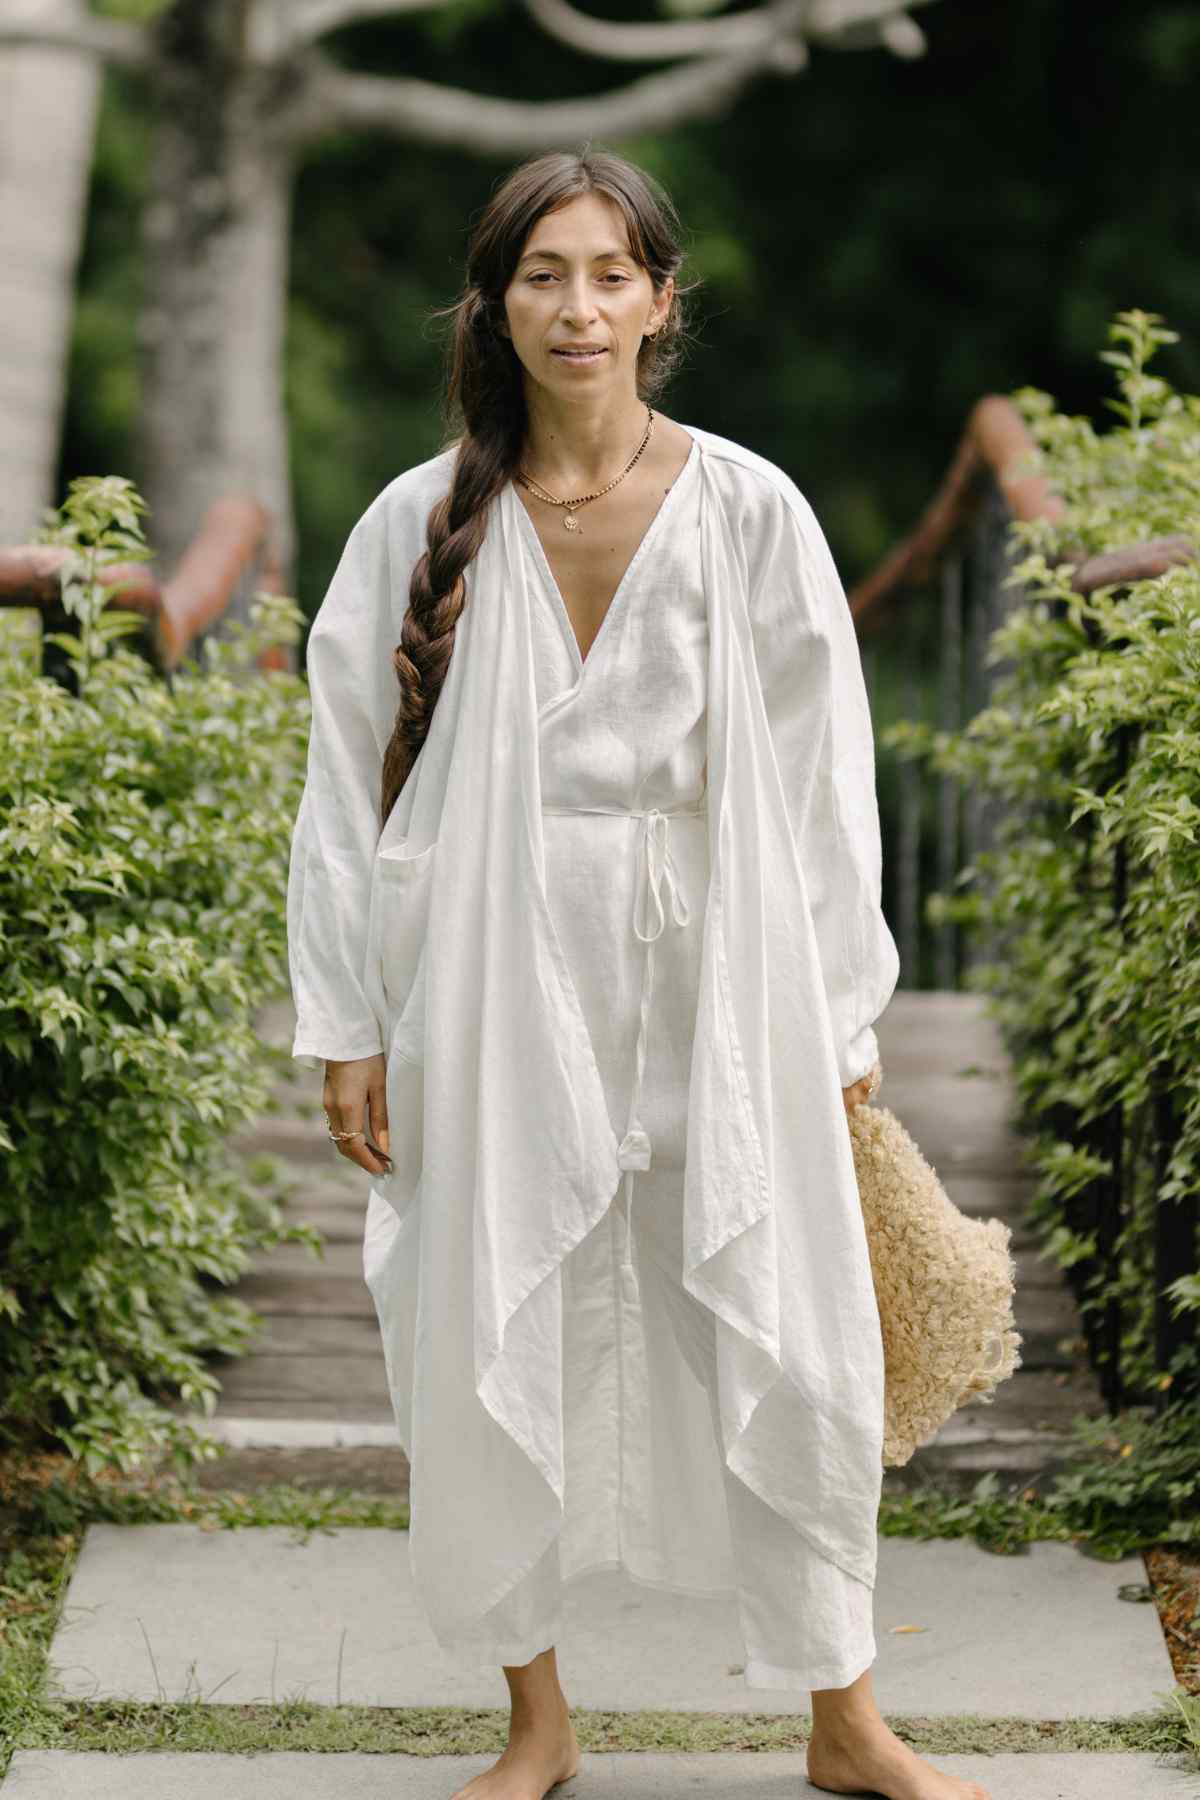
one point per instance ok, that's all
(404, 876)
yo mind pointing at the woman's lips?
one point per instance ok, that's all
(578, 356)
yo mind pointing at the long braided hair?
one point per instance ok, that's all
(484, 404)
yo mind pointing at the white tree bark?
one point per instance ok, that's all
(211, 330)
(48, 100)
(280, 26)
(837, 22)
(212, 419)
(425, 112)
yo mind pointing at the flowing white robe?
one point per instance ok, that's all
(435, 943)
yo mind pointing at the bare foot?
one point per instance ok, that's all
(529, 1767)
(871, 1759)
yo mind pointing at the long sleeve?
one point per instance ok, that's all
(354, 695)
(817, 707)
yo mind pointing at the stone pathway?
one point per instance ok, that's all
(170, 1612)
(946, 1077)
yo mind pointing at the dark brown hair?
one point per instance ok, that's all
(484, 403)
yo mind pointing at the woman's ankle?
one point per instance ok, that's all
(841, 1714)
(538, 1702)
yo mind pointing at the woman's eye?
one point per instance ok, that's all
(612, 276)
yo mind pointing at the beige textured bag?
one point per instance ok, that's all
(944, 1284)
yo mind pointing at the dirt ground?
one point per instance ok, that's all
(1175, 1577)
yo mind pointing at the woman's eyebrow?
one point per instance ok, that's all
(557, 256)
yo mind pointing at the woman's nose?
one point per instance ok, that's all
(577, 302)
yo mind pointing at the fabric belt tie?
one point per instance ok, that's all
(656, 870)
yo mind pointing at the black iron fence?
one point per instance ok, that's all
(927, 661)
(925, 657)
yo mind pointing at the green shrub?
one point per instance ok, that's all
(144, 831)
(1092, 885)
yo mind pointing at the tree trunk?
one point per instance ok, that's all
(211, 332)
(48, 102)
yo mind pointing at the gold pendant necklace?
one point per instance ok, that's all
(572, 506)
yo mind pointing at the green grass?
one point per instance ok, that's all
(125, 1728)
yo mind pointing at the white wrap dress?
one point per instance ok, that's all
(627, 1343)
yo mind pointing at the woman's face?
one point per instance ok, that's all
(576, 282)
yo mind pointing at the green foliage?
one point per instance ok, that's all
(1128, 1481)
(1136, 1480)
(144, 831)
(138, 12)
(1092, 887)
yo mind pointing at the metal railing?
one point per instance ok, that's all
(926, 661)
(232, 552)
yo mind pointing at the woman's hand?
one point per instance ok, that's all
(859, 1090)
(355, 1093)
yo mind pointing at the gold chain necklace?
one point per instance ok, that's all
(572, 506)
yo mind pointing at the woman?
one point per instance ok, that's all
(628, 871)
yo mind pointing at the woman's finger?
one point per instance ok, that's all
(348, 1116)
(377, 1106)
(357, 1148)
(856, 1093)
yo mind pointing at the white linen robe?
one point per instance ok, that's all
(434, 943)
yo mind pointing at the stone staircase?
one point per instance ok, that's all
(310, 1401)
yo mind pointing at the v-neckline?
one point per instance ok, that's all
(582, 661)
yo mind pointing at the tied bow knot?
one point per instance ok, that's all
(657, 867)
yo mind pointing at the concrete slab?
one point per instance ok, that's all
(174, 1612)
(938, 1029)
(653, 1775)
(313, 1334)
(290, 1384)
(338, 1296)
(338, 1256)
(369, 1468)
(341, 1418)
(1035, 1400)
(268, 1431)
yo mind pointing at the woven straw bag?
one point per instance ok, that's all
(944, 1284)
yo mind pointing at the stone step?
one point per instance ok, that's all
(319, 1359)
(927, 1031)
(338, 1257)
(1036, 1400)
(303, 1141)
(331, 1420)
(635, 1775)
(335, 1295)
(992, 1197)
(257, 1614)
(292, 1384)
(1022, 1434)
(312, 1334)
(379, 1468)
(1037, 1271)
(339, 1221)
